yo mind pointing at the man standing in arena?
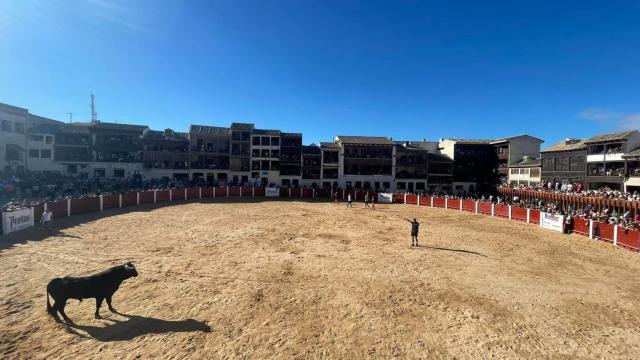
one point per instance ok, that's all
(415, 226)
(366, 200)
(47, 217)
(349, 200)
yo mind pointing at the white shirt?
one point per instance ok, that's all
(349, 197)
(46, 216)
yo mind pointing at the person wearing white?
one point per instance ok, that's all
(47, 217)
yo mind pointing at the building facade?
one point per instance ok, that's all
(525, 172)
(605, 159)
(565, 162)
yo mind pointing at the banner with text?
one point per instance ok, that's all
(272, 192)
(16, 220)
(551, 221)
(385, 198)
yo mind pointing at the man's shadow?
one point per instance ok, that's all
(134, 326)
(452, 250)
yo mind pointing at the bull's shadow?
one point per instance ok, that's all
(134, 326)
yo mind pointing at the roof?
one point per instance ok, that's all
(291, 134)
(469, 141)
(242, 126)
(311, 149)
(166, 135)
(329, 145)
(265, 132)
(563, 146)
(527, 162)
(209, 130)
(111, 126)
(633, 153)
(516, 137)
(364, 140)
(44, 129)
(73, 129)
(622, 135)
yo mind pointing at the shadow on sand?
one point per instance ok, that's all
(134, 326)
(454, 250)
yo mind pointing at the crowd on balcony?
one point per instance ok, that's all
(578, 189)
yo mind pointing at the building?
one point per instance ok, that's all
(475, 164)
(14, 123)
(525, 172)
(632, 166)
(165, 154)
(116, 149)
(240, 159)
(366, 162)
(421, 168)
(311, 165)
(41, 148)
(605, 158)
(565, 162)
(330, 162)
(513, 149)
(265, 156)
(290, 159)
(210, 153)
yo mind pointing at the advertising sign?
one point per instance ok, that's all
(272, 192)
(551, 221)
(385, 198)
(16, 220)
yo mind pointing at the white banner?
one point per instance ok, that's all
(385, 198)
(272, 192)
(551, 221)
(16, 220)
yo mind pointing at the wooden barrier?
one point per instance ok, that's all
(453, 204)
(534, 217)
(439, 202)
(629, 239)
(110, 201)
(412, 199)
(469, 205)
(162, 195)
(259, 191)
(484, 208)
(501, 210)
(518, 213)
(193, 193)
(295, 192)
(84, 205)
(129, 199)
(603, 231)
(581, 226)
(146, 197)
(221, 192)
(307, 192)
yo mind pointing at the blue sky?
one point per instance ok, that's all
(405, 69)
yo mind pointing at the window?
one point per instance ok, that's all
(100, 172)
(45, 154)
(19, 128)
(358, 185)
(547, 164)
(34, 153)
(37, 138)
(386, 185)
(118, 173)
(275, 141)
(49, 139)
(402, 186)
(6, 125)
(265, 141)
(255, 141)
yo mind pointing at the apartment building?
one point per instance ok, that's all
(606, 161)
(311, 165)
(525, 172)
(210, 153)
(366, 162)
(165, 154)
(475, 164)
(513, 149)
(565, 162)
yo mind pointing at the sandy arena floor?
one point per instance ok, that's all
(318, 280)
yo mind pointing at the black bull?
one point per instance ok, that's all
(100, 286)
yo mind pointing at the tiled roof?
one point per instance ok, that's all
(265, 132)
(471, 141)
(365, 140)
(167, 135)
(209, 130)
(563, 146)
(329, 145)
(242, 126)
(111, 126)
(44, 129)
(515, 137)
(611, 137)
(633, 153)
(527, 163)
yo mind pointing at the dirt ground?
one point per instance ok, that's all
(280, 279)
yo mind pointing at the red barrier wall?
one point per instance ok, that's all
(193, 193)
(146, 197)
(453, 204)
(534, 216)
(295, 192)
(484, 208)
(234, 191)
(398, 198)
(581, 226)
(307, 193)
(412, 199)
(247, 191)
(629, 239)
(162, 195)
(85, 205)
(221, 191)
(284, 192)
(469, 205)
(438, 202)
(58, 208)
(259, 191)
(605, 233)
(518, 213)
(425, 200)
(177, 194)
(110, 201)
(37, 212)
(502, 210)
(207, 192)
(129, 199)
